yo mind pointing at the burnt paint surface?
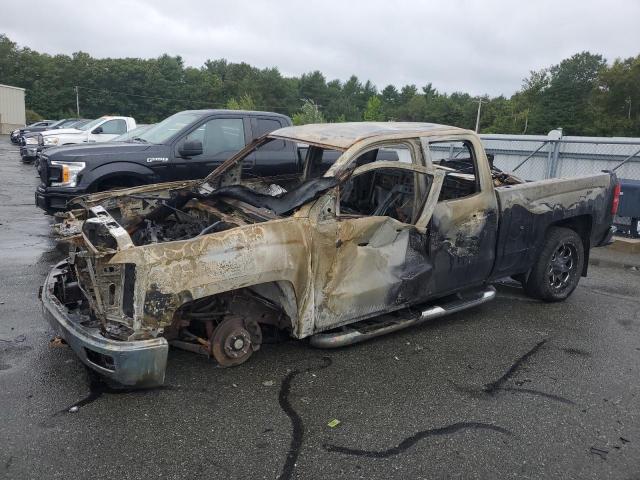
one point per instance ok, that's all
(462, 242)
(529, 209)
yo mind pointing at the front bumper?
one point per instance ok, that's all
(50, 199)
(138, 363)
(28, 152)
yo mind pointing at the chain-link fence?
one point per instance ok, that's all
(537, 157)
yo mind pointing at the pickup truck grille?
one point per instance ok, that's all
(49, 173)
(44, 169)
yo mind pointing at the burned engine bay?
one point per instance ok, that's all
(172, 215)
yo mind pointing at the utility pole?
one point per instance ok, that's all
(629, 111)
(77, 102)
(478, 116)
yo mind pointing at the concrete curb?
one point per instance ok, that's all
(598, 262)
(626, 245)
(622, 253)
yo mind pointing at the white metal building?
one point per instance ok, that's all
(12, 112)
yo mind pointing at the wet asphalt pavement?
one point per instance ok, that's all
(512, 389)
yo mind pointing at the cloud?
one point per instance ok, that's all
(478, 47)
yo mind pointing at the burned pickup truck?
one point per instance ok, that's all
(337, 254)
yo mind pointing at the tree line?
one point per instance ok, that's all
(583, 94)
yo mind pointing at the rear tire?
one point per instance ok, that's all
(556, 273)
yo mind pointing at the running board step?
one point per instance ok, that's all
(361, 331)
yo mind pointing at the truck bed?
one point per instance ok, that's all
(527, 210)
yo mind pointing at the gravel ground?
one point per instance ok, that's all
(512, 389)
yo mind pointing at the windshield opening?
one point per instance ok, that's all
(132, 135)
(90, 125)
(167, 128)
(57, 124)
(70, 122)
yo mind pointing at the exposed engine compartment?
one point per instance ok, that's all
(196, 217)
(181, 214)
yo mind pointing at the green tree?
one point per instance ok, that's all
(32, 116)
(373, 112)
(309, 113)
(561, 96)
(582, 93)
(244, 103)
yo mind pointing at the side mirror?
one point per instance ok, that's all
(97, 130)
(190, 148)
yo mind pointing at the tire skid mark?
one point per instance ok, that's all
(499, 384)
(412, 440)
(538, 393)
(492, 387)
(297, 434)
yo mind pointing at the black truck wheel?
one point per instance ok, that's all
(556, 273)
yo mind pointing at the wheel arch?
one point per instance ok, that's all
(279, 294)
(120, 170)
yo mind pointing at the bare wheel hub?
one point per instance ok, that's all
(238, 344)
(233, 342)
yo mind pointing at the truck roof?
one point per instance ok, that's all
(252, 113)
(341, 136)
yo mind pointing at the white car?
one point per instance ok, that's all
(101, 129)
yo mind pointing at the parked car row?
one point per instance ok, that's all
(19, 135)
(29, 140)
(125, 137)
(102, 129)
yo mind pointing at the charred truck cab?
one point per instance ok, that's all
(339, 255)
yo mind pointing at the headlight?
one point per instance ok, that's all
(51, 140)
(32, 141)
(70, 171)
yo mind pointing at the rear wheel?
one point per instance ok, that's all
(556, 273)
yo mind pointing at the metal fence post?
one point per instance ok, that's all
(554, 160)
(552, 143)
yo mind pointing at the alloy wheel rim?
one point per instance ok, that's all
(562, 266)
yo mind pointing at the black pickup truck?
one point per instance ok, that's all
(184, 146)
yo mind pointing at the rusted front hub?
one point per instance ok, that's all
(234, 341)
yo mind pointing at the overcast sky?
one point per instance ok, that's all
(483, 46)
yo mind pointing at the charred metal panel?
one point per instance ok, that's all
(280, 204)
(169, 274)
(527, 211)
(342, 136)
(462, 242)
(361, 265)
